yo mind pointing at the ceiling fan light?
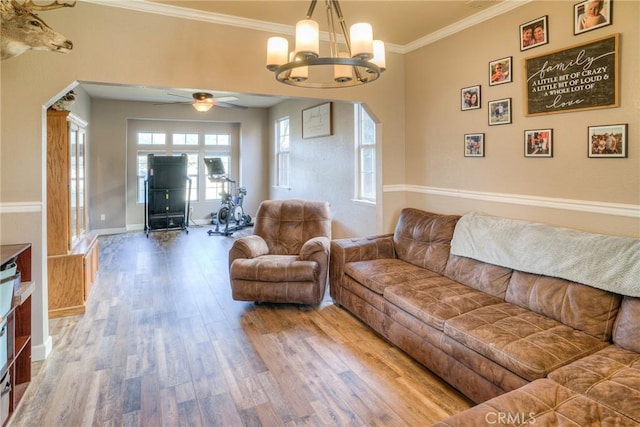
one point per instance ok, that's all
(203, 105)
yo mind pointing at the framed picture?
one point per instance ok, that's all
(470, 98)
(591, 14)
(500, 71)
(474, 145)
(534, 33)
(316, 121)
(500, 112)
(608, 141)
(538, 143)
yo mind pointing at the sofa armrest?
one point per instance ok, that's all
(248, 247)
(344, 251)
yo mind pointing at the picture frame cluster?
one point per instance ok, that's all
(603, 141)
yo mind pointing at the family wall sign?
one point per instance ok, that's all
(580, 77)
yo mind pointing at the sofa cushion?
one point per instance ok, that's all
(377, 274)
(488, 278)
(610, 376)
(437, 299)
(423, 238)
(582, 307)
(274, 268)
(527, 343)
(626, 331)
(542, 402)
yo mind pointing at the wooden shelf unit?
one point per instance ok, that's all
(18, 325)
(72, 253)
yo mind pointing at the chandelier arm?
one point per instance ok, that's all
(333, 40)
(312, 7)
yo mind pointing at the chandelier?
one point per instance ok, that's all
(360, 61)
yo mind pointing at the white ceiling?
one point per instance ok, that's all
(398, 23)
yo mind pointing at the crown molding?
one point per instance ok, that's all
(475, 19)
(289, 30)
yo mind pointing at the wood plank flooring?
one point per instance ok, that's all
(163, 344)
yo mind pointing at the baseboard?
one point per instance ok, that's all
(42, 351)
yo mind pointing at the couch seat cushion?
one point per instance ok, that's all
(540, 403)
(274, 268)
(527, 343)
(610, 376)
(437, 299)
(377, 274)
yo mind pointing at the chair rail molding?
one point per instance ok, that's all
(20, 207)
(617, 209)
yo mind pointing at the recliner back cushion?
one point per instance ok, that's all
(424, 238)
(582, 307)
(626, 331)
(285, 225)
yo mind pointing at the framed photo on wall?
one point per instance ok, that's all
(608, 141)
(470, 98)
(317, 121)
(500, 112)
(474, 145)
(500, 71)
(534, 33)
(538, 143)
(591, 14)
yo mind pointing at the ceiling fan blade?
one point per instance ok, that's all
(170, 103)
(227, 105)
(229, 98)
(179, 95)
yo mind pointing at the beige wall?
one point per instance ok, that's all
(570, 189)
(324, 168)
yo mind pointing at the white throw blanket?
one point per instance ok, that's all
(605, 262)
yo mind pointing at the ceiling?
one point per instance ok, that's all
(397, 23)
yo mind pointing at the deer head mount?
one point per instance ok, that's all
(21, 29)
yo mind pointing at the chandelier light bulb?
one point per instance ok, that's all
(361, 35)
(379, 57)
(307, 38)
(277, 51)
(342, 73)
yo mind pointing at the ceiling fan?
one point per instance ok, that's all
(204, 101)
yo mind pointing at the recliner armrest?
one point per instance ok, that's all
(248, 247)
(312, 246)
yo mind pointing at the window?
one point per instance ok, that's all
(215, 187)
(282, 152)
(151, 138)
(197, 146)
(192, 172)
(217, 139)
(185, 139)
(366, 155)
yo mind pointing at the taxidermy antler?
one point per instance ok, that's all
(22, 30)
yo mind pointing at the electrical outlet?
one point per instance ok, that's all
(103, 217)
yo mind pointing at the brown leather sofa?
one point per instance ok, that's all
(286, 260)
(531, 347)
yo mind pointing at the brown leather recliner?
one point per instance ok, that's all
(287, 258)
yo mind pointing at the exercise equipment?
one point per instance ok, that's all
(230, 216)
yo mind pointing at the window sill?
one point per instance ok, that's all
(364, 202)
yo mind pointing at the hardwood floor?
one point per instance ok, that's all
(163, 343)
